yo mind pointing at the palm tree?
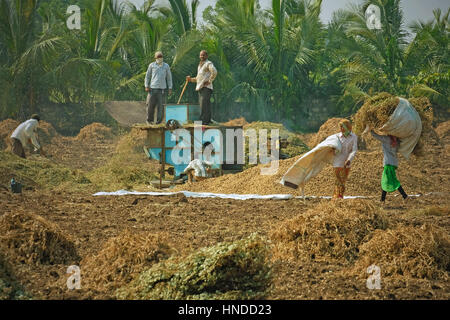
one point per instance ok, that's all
(27, 46)
(275, 51)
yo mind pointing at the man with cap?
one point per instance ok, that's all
(25, 135)
(157, 79)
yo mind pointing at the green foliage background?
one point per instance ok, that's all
(273, 64)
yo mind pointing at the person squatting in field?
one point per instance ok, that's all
(25, 135)
(342, 161)
(200, 169)
(389, 181)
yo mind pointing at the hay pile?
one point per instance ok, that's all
(295, 145)
(332, 230)
(236, 270)
(6, 128)
(375, 112)
(128, 167)
(443, 131)
(415, 252)
(122, 258)
(331, 126)
(94, 133)
(46, 133)
(430, 175)
(236, 122)
(10, 289)
(30, 239)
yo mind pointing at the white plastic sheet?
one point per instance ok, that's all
(199, 195)
(312, 162)
(226, 196)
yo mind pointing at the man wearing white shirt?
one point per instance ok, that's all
(343, 160)
(206, 73)
(25, 135)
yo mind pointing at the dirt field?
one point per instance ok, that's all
(45, 230)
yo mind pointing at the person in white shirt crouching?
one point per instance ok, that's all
(25, 136)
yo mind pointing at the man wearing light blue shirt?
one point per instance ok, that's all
(157, 79)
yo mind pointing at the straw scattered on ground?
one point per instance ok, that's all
(39, 172)
(236, 270)
(331, 230)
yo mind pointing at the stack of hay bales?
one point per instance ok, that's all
(236, 270)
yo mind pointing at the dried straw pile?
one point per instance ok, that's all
(128, 168)
(331, 126)
(10, 289)
(375, 112)
(295, 147)
(6, 128)
(236, 122)
(94, 133)
(332, 230)
(443, 131)
(415, 252)
(46, 133)
(122, 258)
(29, 238)
(38, 171)
(236, 270)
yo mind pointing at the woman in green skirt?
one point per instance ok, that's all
(389, 181)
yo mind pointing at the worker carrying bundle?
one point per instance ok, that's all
(340, 149)
(392, 116)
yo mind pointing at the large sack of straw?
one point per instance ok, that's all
(395, 116)
(405, 124)
(309, 165)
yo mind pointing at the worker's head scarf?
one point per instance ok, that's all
(346, 127)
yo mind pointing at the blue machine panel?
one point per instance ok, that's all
(182, 113)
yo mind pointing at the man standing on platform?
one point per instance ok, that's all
(206, 73)
(157, 79)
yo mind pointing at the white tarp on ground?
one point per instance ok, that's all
(224, 196)
(405, 124)
(312, 162)
(199, 195)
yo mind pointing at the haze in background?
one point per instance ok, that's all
(412, 9)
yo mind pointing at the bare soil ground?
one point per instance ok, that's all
(195, 223)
